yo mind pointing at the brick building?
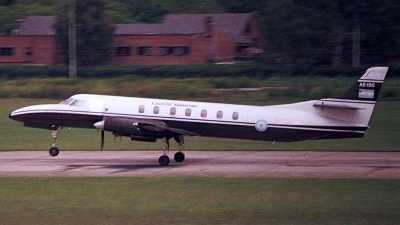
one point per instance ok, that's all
(32, 43)
(180, 39)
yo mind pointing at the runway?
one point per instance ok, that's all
(256, 164)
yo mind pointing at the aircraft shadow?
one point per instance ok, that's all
(116, 168)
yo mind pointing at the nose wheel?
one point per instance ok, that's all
(54, 151)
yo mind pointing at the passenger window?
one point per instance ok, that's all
(220, 114)
(188, 112)
(235, 116)
(141, 108)
(156, 109)
(203, 113)
(172, 111)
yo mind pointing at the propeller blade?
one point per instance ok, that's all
(102, 140)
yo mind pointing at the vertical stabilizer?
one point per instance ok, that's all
(357, 103)
(367, 87)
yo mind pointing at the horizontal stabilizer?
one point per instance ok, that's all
(339, 105)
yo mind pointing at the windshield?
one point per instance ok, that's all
(67, 102)
(73, 102)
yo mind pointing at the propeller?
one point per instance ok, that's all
(100, 125)
(102, 140)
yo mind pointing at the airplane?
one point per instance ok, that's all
(145, 119)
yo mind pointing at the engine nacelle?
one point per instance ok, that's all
(121, 126)
(138, 129)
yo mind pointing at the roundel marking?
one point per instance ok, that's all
(261, 125)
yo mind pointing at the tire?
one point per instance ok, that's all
(164, 160)
(179, 157)
(54, 151)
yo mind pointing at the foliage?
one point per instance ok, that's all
(205, 70)
(140, 12)
(295, 32)
(239, 6)
(6, 2)
(316, 32)
(11, 14)
(94, 32)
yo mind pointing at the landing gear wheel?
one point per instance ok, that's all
(163, 160)
(179, 157)
(54, 151)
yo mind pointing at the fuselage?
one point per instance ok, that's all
(281, 123)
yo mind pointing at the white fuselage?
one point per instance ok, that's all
(291, 122)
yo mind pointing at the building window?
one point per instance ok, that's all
(235, 116)
(141, 108)
(146, 51)
(28, 51)
(188, 112)
(172, 111)
(6, 51)
(164, 51)
(156, 109)
(176, 51)
(123, 51)
(203, 113)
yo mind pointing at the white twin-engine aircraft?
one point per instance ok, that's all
(142, 119)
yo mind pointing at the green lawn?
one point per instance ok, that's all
(198, 201)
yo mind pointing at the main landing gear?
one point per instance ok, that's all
(163, 160)
(178, 157)
(54, 150)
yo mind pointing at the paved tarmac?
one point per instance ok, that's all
(262, 164)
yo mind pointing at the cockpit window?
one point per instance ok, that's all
(67, 102)
(73, 102)
(78, 103)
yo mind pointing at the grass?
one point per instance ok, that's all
(198, 201)
(199, 89)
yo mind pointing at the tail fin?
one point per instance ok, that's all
(357, 103)
(367, 87)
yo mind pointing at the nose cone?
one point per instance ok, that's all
(29, 113)
(16, 114)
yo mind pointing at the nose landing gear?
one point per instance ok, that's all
(54, 150)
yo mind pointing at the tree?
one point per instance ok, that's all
(239, 6)
(295, 32)
(326, 32)
(94, 32)
(153, 13)
(6, 2)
